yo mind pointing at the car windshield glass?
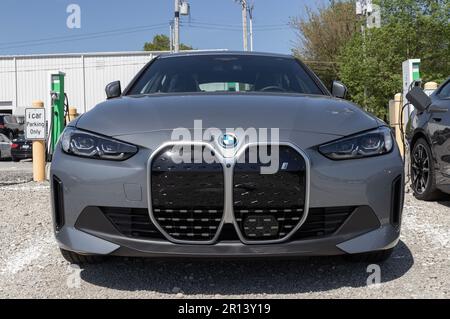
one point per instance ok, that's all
(225, 73)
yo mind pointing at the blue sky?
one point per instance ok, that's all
(31, 27)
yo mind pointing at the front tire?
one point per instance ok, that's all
(372, 257)
(78, 259)
(423, 173)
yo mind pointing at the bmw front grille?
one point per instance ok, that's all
(188, 201)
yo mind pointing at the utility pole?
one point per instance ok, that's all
(363, 31)
(177, 27)
(244, 24)
(250, 14)
(171, 37)
(364, 8)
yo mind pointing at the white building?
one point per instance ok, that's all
(25, 78)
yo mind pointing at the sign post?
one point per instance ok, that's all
(35, 131)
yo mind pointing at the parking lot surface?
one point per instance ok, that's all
(15, 173)
(32, 267)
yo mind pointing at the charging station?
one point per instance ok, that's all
(411, 74)
(57, 109)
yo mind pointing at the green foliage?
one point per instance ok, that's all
(321, 34)
(411, 29)
(161, 42)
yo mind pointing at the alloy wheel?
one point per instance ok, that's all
(420, 169)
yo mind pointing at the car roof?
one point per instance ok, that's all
(219, 52)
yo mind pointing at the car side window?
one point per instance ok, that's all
(445, 92)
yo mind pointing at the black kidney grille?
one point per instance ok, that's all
(132, 222)
(187, 198)
(323, 222)
(269, 207)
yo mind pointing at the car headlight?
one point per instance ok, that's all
(372, 143)
(85, 144)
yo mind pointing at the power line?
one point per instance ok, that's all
(259, 29)
(87, 36)
(195, 21)
(129, 30)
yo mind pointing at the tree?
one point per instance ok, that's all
(161, 42)
(411, 29)
(321, 35)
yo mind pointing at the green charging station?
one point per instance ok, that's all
(58, 107)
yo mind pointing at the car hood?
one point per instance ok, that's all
(144, 114)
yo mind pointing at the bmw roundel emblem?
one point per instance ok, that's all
(228, 140)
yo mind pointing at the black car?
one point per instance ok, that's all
(21, 149)
(428, 133)
(10, 126)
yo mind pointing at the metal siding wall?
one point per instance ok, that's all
(84, 89)
(101, 70)
(7, 80)
(33, 79)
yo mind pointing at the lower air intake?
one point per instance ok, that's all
(132, 222)
(322, 222)
(58, 203)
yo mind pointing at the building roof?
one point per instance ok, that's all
(94, 54)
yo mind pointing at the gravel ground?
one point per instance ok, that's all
(31, 266)
(15, 173)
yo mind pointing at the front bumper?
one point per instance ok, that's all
(88, 185)
(95, 234)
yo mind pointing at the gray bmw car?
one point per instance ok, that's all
(226, 154)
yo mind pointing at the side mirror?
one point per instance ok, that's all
(113, 90)
(339, 90)
(419, 99)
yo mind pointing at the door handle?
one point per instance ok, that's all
(437, 119)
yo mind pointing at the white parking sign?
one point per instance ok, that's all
(35, 124)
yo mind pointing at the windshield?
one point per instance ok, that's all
(225, 73)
